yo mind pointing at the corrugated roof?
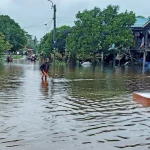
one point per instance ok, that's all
(140, 22)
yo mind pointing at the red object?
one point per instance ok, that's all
(45, 73)
(142, 97)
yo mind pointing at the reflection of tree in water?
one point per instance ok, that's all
(97, 83)
(138, 83)
(99, 88)
(10, 84)
(10, 78)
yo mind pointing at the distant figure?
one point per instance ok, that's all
(33, 57)
(9, 59)
(45, 68)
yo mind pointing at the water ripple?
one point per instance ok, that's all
(80, 110)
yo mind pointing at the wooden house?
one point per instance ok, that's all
(141, 31)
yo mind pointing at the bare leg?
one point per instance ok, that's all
(45, 78)
(42, 76)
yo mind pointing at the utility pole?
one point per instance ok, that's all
(54, 30)
(54, 38)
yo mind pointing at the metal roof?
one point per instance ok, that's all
(141, 22)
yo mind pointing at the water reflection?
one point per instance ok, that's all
(44, 87)
(45, 84)
(79, 108)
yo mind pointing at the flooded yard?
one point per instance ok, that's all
(77, 109)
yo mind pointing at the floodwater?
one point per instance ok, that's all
(77, 109)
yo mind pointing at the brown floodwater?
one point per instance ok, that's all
(78, 108)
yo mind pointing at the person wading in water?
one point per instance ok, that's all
(45, 68)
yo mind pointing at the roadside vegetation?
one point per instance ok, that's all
(95, 32)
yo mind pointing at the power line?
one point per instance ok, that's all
(71, 19)
(48, 27)
(60, 21)
(34, 26)
(38, 24)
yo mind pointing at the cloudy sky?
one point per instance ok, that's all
(33, 15)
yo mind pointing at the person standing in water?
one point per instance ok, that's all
(45, 68)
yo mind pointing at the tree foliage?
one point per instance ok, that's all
(30, 41)
(4, 44)
(62, 34)
(13, 32)
(46, 44)
(98, 29)
(141, 17)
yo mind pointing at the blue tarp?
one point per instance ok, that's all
(147, 63)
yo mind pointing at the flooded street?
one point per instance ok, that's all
(80, 108)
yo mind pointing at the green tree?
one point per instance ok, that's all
(46, 43)
(140, 17)
(4, 44)
(62, 33)
(13, 32)
(98, 29)
(30, 41)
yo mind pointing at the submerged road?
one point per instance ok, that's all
(79, 109)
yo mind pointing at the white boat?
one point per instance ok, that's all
(86, 64)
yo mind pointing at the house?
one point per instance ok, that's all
(141, 31)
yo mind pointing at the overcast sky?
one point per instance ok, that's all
(32, 15)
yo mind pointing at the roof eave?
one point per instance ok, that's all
(146, 24)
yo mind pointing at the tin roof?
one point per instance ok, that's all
(141, 22)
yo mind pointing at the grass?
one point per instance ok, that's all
(17, 56)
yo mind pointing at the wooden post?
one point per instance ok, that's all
(119, 58)
(144, 60)
(130, 55)
(114, 60)
(102, 58)
(144, 53)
